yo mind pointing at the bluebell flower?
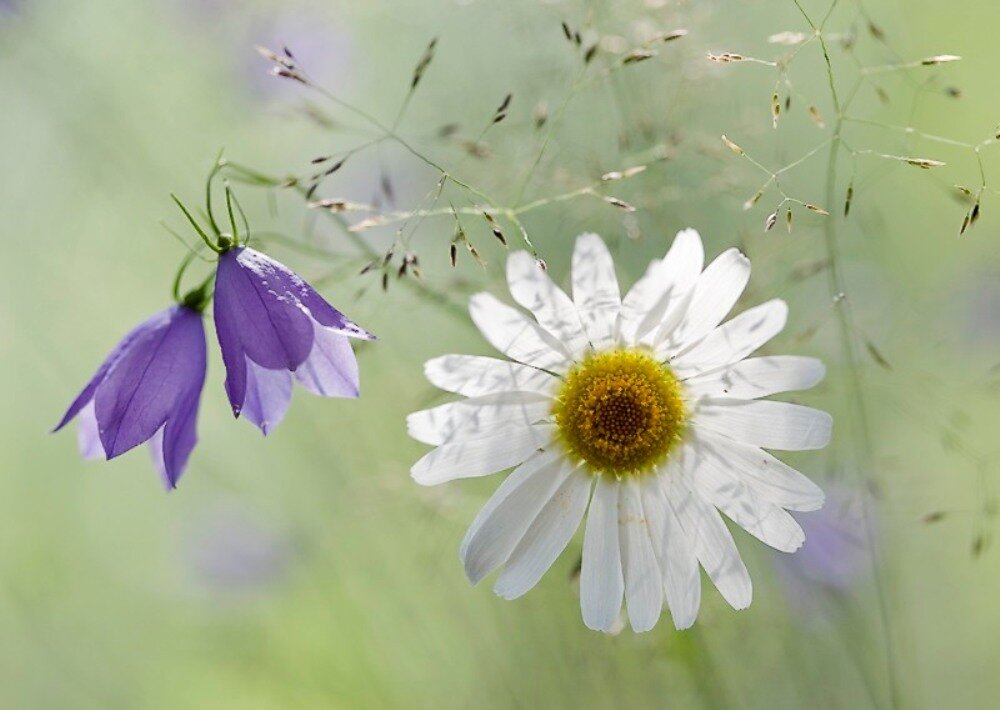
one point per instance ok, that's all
(147, 390)
(272, 325)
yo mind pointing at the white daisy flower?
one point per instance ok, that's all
(642, 412)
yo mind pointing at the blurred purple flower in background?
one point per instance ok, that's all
(147, 389)
(837, 553)
(272, 324)
(976, 307)
(231, 550)
(322, 48)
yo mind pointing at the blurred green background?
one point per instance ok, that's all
(307, 570)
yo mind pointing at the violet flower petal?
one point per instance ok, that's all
(328, 316)
(88, 436)
(87, 394)
(268, 319)
(173, 443)
(267, 396)
(331, 370)
(157, 375)
(256, 298)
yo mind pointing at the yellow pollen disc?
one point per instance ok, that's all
(621, 412)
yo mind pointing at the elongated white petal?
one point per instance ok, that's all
(532, 466)
(678, 563)
(480, 457)
(666, 281)
(532, 288)
(478, 417)
(772, 479)
(769, 425)
(547, 537)
(713, 544)
(498, 533)
(769, 523)
(515, 335)
(715, 294)
(601, 582)
(733, 340)
(759, 377)
(474, 375)
(643, 580)
(595, 289)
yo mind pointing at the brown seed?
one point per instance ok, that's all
(940, 59)
(877, 355)
(620, 204)
(752, 200)
(814, 114)
(638, 55)
(924, 163)
(671, 36)
(770, 221)
(732, 146)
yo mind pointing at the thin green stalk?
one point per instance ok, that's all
(861, 429)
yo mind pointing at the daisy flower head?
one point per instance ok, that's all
(643, 414)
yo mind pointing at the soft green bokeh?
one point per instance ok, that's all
(108, 106)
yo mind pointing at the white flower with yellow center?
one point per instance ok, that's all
(644, 409)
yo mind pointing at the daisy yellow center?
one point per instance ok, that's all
(621, 412)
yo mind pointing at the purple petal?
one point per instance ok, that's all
(257, 303)
(267, 315)
(268, 393)
(173, 443)
(137, 333)
(257, 316)
(331, 370)
(327, 315)
(87, 435)
(157, 375)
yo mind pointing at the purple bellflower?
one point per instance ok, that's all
(272, 325)
(147, 390)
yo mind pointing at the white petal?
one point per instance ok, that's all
(770, 478)
(666, 281)
(643, 580)
(478, 417)
(713, 544)
(767, 424)
(517, 477)
(733, 340)
(480, 457)
(515, 335)
(759, 377)
(601, 581)
(595, 289)
(532, 288)
(474, 375)
(546, 538)
(678, 563)
(496, 535)
(720, 486)
(715, 294)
